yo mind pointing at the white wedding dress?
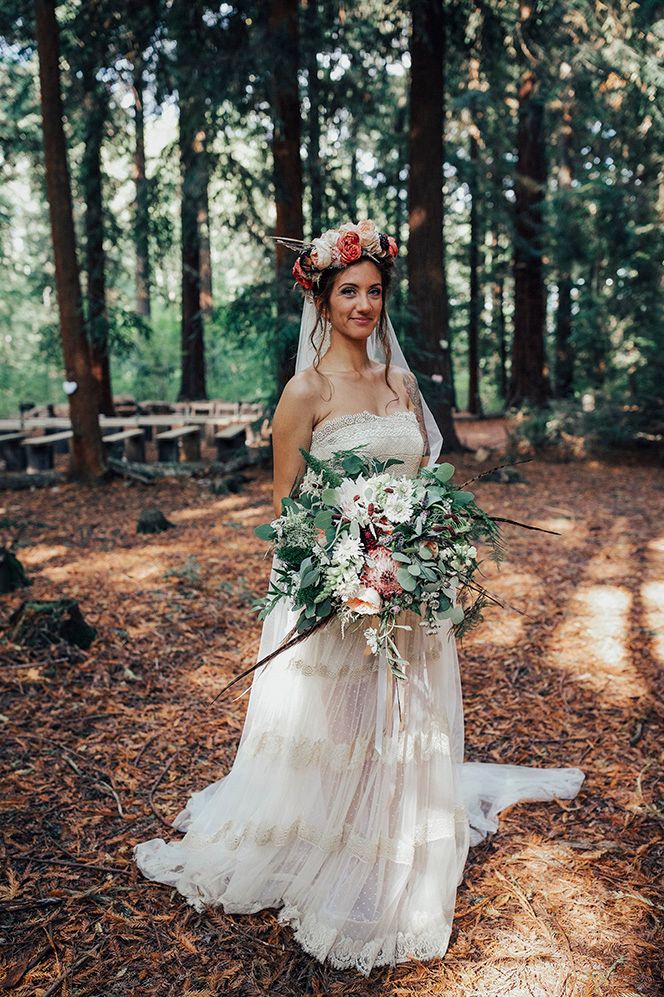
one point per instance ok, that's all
(361, 851)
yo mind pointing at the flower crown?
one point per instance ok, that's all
(338, 248)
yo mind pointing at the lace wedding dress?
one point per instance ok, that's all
(362, 851)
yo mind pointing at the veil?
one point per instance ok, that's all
(486, 787)
(306, 351)
(281, 619)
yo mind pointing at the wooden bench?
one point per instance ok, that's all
(40, 449)
(168, 444)
(12, 452)
(230, 439)
(128, 443)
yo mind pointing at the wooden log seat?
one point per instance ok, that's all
(128, 443)
(168, 444)
(40, 449)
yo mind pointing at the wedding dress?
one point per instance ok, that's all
(362, 851)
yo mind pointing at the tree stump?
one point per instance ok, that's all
(12, 573)
(152, 520)
(39, 624)
(231, 483)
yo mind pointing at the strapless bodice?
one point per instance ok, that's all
(395, 435)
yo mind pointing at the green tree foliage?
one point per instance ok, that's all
(602, 212)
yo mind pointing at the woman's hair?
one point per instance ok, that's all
(322, 293)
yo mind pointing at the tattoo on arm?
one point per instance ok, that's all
(410, 383)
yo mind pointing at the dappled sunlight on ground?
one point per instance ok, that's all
(592, 643)
(41, 553)
(105, 747)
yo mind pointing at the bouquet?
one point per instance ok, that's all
(361, 542)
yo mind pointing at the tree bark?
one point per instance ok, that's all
(528, 381)
(285, 98)
(95, 106)
(426, 247)
(474, 303)
(207, 301)
(564, 368)
(314, 170)
(141, 210)
(192, 169)
(498, 313)
(87, 458)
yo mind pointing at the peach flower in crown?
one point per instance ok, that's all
(338, 248)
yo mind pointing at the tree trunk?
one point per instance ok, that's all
(426, 247)
(141, 211)
(192, 169)
(474, 304)
(564, 369)
(95, 106)
(498, 313)
(87, 459)
(528, 382)
(314, 170)
(285, 99)
(206, 253)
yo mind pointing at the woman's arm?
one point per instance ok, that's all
(292, 426)
(415, 405)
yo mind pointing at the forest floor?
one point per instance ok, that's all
(561, 902)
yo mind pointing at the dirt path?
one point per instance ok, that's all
(560, 903)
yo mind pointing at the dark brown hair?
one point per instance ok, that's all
(322, 293)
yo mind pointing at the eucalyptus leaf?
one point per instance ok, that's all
(444, 472)
(406, 580)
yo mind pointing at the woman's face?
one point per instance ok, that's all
(356, 300)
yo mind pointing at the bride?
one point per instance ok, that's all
(356, 827)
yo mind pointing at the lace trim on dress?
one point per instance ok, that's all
(357, 663)
(343, 952)
(303, 752)
(330, 425)
(401, 849)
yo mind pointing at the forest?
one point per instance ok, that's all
(526, 136)
(150, 154)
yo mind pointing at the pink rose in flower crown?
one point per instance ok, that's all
(349, 247)
(369, 236)
(301, 277)
(392, 246)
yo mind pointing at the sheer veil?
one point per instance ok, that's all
(306, 351)
(279, 622)
(486, 787)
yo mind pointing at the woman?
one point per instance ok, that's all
(358, 829)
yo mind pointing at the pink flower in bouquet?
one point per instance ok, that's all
(367, 600)
(380, 572)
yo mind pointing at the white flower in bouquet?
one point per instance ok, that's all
(366, 601)
(350, 500)
(398, 509)
(371, 637)
(347, 549)
(313, 482)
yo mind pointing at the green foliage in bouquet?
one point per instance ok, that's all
(358, 539)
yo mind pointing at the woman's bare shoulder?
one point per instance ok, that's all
(299, 399)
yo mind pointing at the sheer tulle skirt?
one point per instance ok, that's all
(362, 852)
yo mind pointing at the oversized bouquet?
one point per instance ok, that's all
(356, 539)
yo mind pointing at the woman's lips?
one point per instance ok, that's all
(362, 321)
